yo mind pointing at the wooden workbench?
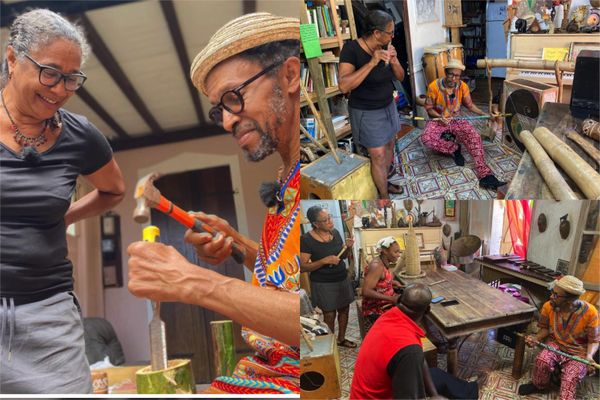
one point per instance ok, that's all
(527, 182)
(480, 307)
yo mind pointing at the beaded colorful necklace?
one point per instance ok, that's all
(22, 140)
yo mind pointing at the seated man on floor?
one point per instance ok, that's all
(572, 327)
(391, 364)
(444, 98)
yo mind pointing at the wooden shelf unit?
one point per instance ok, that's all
(321, 93)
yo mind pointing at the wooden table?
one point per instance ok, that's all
(527, 182)
(480, 307)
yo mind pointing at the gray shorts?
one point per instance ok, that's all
(47, 350)
(374, 128)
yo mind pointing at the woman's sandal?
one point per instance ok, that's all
(347, 343)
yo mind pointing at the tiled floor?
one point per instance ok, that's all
(480, 352)
(430, 175)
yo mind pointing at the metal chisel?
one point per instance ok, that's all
(158, 337)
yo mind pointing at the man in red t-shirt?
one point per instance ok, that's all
(391, 363)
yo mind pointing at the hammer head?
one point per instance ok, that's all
(146, 196)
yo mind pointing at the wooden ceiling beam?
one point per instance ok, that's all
(9, 11)
(196, 132)
(102, 113)
(110, 63)
(170, 15)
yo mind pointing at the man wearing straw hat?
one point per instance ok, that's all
(446, 135)
(250, 72)
(571, 325)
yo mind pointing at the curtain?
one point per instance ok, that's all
(519, 222)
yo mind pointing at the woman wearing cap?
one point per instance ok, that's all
(368, 67)
(444, 98)
(571, 325)
(44, 149)
(321, 252)
(378, 288)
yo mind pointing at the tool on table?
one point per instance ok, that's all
(158, 336)
(148, 196)
(562, 353)
(467, 118)
(435, 283)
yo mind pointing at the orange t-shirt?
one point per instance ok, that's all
(447, 105)
(574, 334)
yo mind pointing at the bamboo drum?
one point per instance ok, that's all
(576, 167)
(224, 347)
(558, 186)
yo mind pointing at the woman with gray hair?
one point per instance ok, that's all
(44, 149)
(368, 67)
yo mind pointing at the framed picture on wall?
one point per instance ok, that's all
(450, 209)
(576, 47)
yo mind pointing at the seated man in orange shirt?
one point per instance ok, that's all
(444, 99)
(572, 326)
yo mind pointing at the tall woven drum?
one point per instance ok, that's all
(412, 257)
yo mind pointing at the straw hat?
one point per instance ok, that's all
(465, 246)
(570, 284)
(455, 64)
(238, 35)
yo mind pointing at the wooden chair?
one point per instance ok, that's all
(430, 352)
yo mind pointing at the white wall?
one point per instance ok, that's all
(424, 35)
(480, 220)
(548, 247)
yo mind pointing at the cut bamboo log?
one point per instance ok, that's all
(527, 64)
(223, 346)
(559, 187)
(576, 167)
(177, 378)
(586, 146)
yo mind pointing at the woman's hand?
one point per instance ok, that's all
(349, 243)
(380, 55)
(393, 54)
(331, 260)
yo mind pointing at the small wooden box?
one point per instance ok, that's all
(326, 179)
(320, 373)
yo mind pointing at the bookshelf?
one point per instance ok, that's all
(320, 74)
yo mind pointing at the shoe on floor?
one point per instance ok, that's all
(480, 378)
(490, 182)
(528, 388)
(458, 157)
(395, 189)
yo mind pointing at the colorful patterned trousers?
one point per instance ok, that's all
(572, 372)
(465, 135)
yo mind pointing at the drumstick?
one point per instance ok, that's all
(435, 283)
(342, 251)
(562, 353)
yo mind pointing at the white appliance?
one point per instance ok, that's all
(495, 42)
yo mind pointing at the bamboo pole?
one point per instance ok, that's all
(224, 347)
(576, 167)
(312, 139)
(320, 122)
(587, 147)
(566, 66)
(558, 186)
(562, 353)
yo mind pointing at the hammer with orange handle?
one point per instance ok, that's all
(148, 196)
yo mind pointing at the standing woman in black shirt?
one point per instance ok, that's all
(43, 149)
(330, 288)
(368, 66)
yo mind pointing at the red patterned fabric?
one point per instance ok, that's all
(465, 135)
(572, 372)
(519, 222)
(372, 307)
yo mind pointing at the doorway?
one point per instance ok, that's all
(188, 327)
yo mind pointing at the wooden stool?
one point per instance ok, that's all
(430, 352)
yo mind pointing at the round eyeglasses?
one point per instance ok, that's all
(233, 100)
